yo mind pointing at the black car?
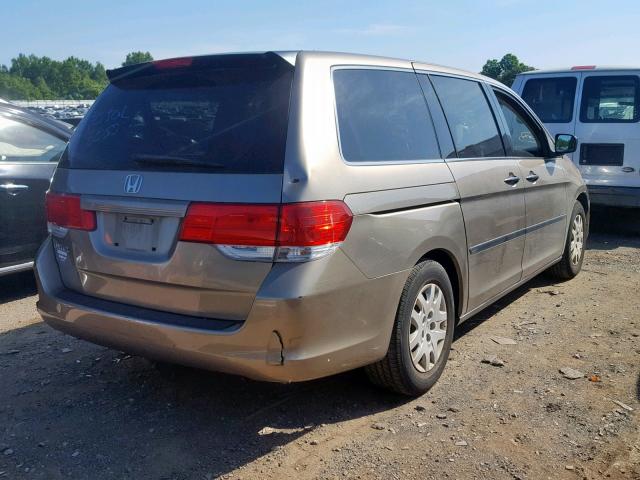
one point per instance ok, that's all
(30, 146)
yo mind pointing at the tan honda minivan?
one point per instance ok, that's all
(291, 215)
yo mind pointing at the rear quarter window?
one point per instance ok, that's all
(551, 98)
(383, 116)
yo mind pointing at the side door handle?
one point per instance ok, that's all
(511, 179)
(13, 189)
(532, 177)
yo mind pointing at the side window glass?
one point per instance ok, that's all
(551, 98)
(437, 116)
(20, 142)
(383, 116)
(471, 121)
(524, 141)
(610, 99)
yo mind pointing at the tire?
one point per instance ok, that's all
(568, 267)
(398, 371)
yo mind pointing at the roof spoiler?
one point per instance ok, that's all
(221, 61)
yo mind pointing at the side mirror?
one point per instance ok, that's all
(566, 143)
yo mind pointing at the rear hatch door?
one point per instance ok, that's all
(162, 136)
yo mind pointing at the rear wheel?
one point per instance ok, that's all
(422, 333)
(571, 263)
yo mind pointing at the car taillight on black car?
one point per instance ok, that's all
(294, 232)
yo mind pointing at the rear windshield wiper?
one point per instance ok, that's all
(153, 159)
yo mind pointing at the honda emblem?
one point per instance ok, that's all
(132, 183)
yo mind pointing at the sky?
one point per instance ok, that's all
(463, 33)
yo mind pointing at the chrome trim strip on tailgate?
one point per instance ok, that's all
(137, 206)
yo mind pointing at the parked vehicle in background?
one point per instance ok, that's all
(287, 216)
(601, 107)
(67, 111)
(30, 146)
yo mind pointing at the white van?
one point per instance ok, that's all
(601, 107)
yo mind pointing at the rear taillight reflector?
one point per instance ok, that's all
(290, 232)
(64, 210)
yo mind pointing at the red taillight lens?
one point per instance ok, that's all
(227, 224)
(312, 224)
(294, 232)
(65, 211)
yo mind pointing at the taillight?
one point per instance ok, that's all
(64, 210)
(292, 232)
(311, 230)
(230, 224)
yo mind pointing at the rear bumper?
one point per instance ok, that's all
(308, 321)
(614, 196)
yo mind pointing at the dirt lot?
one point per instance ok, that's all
(70, 409)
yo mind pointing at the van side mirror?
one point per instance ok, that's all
(565, 143)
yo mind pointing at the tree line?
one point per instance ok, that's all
(30, 77)
(505, 69)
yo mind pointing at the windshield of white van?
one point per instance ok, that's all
(218, 116)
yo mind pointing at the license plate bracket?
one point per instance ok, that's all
(137, 233)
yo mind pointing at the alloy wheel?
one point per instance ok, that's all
(428, 327)
(577, 239)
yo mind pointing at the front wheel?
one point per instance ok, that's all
(422, 333)
(571, 262)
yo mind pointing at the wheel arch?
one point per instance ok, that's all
(452, 267)
(583, 198)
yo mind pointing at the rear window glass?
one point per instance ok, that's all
(551, 98)
(222, 120)
(383, 116)
(471, 121)
(610, 99)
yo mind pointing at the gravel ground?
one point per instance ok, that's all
(70, 409)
